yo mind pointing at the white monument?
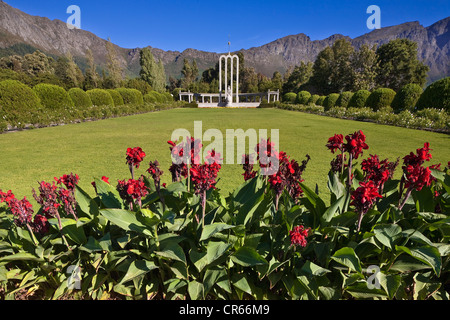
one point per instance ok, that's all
(228, 92)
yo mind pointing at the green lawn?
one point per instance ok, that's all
(94, 149)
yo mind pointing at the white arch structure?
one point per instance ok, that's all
(226, 58)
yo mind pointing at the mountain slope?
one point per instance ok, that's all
(53, 37)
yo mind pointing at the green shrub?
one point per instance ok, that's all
(313, 99)
(53, 97)
(80, 98)
(358, 100)
(303, 97)
(289, 97)
(320, 100)
(100, 97)
(330, 101)
(150, 98)
(406, 98)
(436, 95)
(344, 99)
(379, 98)
(117, 98)
(131, 96)
(168, 96)
(187, 105)
(18, 103)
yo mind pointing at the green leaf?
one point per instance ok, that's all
(108, 195)
(347, 257)
(199, 259)
(387, 234)
(426, 254)
(86, 204)
(70, 229)
(126, 220)
(334, 209)
(138, 268)
(215, 250)
(247, 257)
(211, 229)
(171, 250)
(361, 291)
(313, 269)
(196, 290)
(240, 281)
(212, 276)
(21, 256)
(390, 283)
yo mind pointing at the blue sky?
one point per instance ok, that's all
(207, 25)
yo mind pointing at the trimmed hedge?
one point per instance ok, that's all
(344, 99)
(436, 95)
(18, 104)
(313, 99)
(131, 96)
(320, 100)
(359, 99)
(53, 97)
(116, 96)
(80, 98)
(380, 98)
(406, 98)
(289, 97)
(100, 97)
(303, 97)
(330, 101)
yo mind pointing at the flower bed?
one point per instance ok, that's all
(272, 238)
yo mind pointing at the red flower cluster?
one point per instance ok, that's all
(184, 154)
(289, 176)
(336, 143)
(247, 164)
(356, 143)
(378, 171)
(155, 171)
(417, 176)
(264, 151)
(69, 180)
(204, 176)
(298, 236)
(22, 211)
(132, 190)
(48, 199)
(135, 157)
(364, 197)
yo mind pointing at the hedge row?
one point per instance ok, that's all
(22, 106)
(429, 118)
(411, 97)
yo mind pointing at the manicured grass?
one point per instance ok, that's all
(94, 149)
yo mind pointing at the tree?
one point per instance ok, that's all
(298, 77)
(189, 72)
(364, 67)
(91, 77)
(249, 80)
(277, 81)
(399, 65)
(332, 71)
(151, 72)
(68, 72)
(113, 66)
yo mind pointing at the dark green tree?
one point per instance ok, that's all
(399, 65)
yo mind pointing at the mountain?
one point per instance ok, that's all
(22, 33)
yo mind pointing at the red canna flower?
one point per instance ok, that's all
(40, 224)
(22, 211)
(378, 171)
(48, 199)
(132, 190)
(335, 143)
(135, 157)
(363, 198)
(69, 180)
(298, 236)
(6, 197)
(247, 164)
(356, 143)
(106, 179)
(155, 171)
